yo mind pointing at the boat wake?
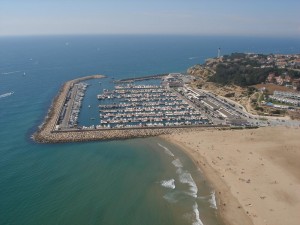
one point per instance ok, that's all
(6, 94)
(12, 72)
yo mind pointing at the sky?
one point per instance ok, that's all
(276, 18)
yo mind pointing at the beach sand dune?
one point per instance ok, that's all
(256, 173)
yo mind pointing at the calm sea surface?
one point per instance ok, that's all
(140, 181)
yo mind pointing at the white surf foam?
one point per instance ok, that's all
(166, 150)
(212, 200)
(171, 197)
(6, 94)
(177, 163)
(168, 183)
(186, 178)
(197, 215)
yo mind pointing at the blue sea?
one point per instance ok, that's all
(138, 181)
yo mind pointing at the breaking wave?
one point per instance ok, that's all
(177, 163)
(166, 150)
(168, 183)
(197, 215)
(186, 178)
(212, 200)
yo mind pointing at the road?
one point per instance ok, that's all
(238, 110)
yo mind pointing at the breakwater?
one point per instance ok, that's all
(111, 134)
(149, 77)
(44, 132)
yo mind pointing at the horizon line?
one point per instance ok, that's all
(151, 34)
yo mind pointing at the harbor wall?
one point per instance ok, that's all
(112, 134)
(149, 77)
(45, 129)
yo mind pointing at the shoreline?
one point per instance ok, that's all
(254, 180)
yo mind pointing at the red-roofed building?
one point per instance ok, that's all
(288, 79)
(279, 80)
(271, 78)
(296, 84)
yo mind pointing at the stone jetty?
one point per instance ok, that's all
(45, 132)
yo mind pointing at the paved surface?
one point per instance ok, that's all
(65, 122)
(237, 109)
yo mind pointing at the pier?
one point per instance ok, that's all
(60, 106)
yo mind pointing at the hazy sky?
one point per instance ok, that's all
(199, 17)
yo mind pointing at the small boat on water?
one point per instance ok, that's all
(89, 106)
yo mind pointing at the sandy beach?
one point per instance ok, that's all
(255, 173)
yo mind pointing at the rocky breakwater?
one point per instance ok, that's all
(109, 134)
(45, 133)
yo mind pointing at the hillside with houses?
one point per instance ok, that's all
(263, 84)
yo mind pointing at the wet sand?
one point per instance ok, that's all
(256, 173)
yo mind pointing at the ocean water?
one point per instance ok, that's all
(139, 181)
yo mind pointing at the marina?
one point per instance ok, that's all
(86, 109)
(143, 103)
(146, 106)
